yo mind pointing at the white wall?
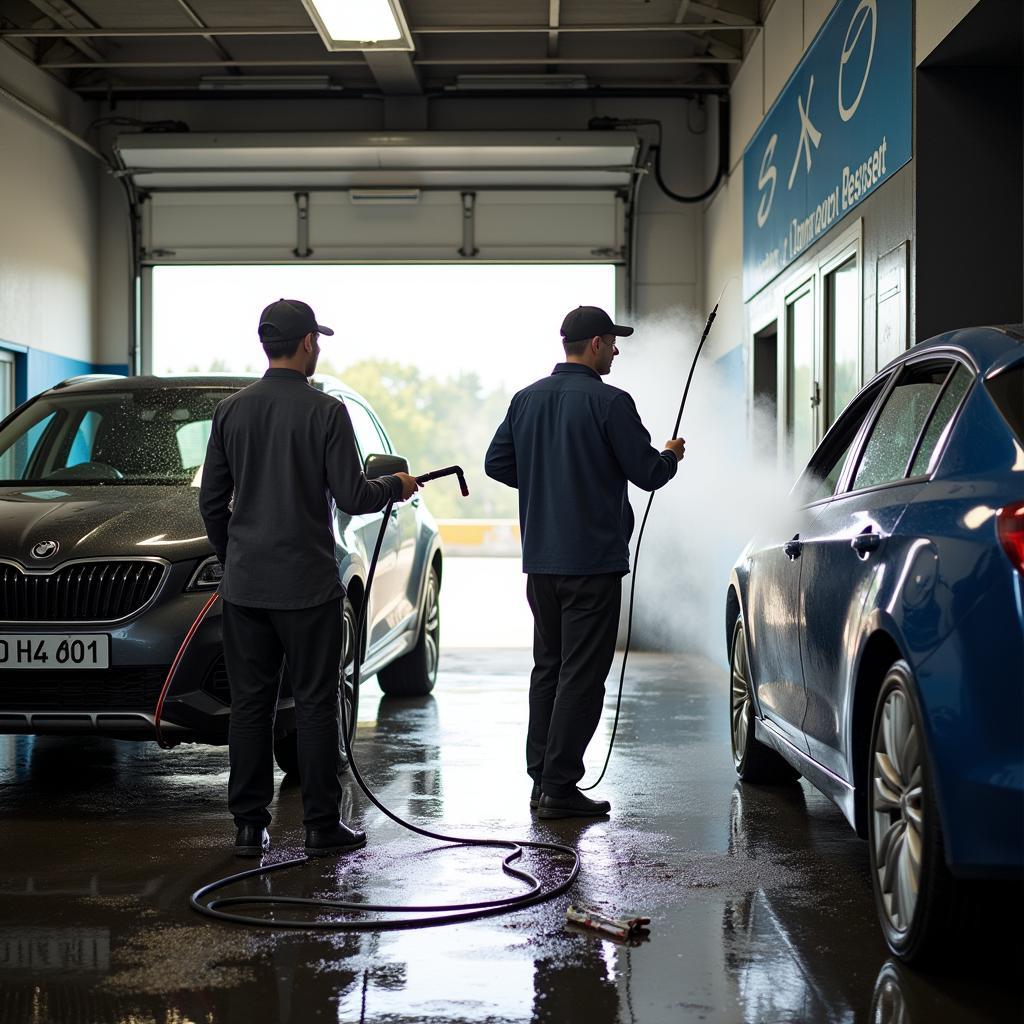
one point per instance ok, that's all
(773, 55)
(49, 251)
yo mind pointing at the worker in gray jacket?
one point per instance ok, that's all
(570, 443)
(280, 455)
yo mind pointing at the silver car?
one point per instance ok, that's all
(104, 566)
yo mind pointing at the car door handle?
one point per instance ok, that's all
(793, 548)
(866, 542)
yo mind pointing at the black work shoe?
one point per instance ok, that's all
(535, 796)
(322, 842)
(252, 841)
(575, 806)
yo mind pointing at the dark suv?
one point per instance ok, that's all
(104, 565)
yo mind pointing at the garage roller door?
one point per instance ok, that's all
(416, 197)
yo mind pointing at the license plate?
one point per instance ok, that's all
(55, 650)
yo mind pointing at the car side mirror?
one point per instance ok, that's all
(377, 466)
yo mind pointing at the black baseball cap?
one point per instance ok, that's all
(590, 321)
(289, 320)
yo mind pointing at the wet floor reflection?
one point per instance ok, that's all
(760, 897)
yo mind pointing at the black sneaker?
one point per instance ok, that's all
(535, 796)
(252, 841)
(575, 806)
(322, 842)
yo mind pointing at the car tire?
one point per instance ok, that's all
(414, 674)
(917, 899)
(754, 761)
(286, 749)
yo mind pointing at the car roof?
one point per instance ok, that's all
(988, 348)
(228, 381)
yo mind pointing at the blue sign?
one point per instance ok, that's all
(839, 129)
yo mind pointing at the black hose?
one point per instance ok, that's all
(723, 160)
(655, 149)
(636, 558)
(427, 915)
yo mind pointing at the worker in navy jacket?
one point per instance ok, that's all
(570, 443)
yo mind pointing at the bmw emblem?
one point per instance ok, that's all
(45, 548)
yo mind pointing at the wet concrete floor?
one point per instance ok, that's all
(760, 898)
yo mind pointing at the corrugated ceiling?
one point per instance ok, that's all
(682, 44)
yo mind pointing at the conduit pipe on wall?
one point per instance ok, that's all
(604, 123)
(133, 232)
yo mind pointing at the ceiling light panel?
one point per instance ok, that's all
(360, 24)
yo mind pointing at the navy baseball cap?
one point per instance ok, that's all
(589, 322)
(288, 320)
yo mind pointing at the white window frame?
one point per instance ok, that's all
(774, 303)
(8, 357)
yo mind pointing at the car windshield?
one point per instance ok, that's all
(135, 436)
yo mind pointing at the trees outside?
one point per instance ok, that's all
(434, 423)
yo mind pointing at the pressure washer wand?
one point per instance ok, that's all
(693, 366)
(448, 471)
(636, 554)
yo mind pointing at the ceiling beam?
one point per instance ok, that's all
(719, 15)
(186, 9)
(150, 33)
(336, 62)
(715, 47)
(513, 61)
(394, 71)
(554, 15)
(273, 30)
(54, 12)
(652, 88)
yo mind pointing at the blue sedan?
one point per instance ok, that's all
(877, 645)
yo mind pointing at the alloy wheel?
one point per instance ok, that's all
(432, 626)
(740, 704)
(897, 807)
(348, 640)
(346, 673)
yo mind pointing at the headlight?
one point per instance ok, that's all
(208, 575)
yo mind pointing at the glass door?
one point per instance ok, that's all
(842, 335)
(802, 389)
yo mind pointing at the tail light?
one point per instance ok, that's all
(1011, 533)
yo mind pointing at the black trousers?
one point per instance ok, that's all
(256, 643)
(575, 621)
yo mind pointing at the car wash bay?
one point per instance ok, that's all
(546, 137)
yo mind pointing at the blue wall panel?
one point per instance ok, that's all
(841, 127)
(44, 369)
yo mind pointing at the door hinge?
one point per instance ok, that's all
(302, 249)
(469, 248)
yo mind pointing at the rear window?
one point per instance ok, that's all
(899, 425)
(952, 395)
(1007, 391)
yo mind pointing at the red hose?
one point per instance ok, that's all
(158, 713)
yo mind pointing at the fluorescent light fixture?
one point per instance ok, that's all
(384, 196)
(360, 24)
(513, 82)
(269, 83)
